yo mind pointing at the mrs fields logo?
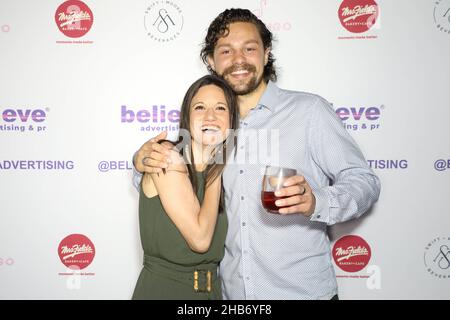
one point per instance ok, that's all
(441, 14)
(74, 19)
(359, 16)
(76, 251)
(163, 21)
(351, 253)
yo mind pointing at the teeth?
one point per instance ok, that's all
(210, 128)
(240, 72)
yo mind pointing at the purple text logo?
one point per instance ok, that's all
(442, 165)
(388, 164)
(114, 165)
(155, 119)
(360, 118)
(24, 120)
(36, 165)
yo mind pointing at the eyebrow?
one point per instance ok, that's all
(221, 103)
(229, 45)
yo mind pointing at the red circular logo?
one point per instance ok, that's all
(358, 16)
(74, 18)
(76, 251)
(351, 253)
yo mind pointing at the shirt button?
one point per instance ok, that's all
(248, 278)
(318, 216)
(241, 171)
(244, 224)
(242, 198)
(242, 147)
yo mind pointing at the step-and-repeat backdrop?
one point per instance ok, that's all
(84, 84)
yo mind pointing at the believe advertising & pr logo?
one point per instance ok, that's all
(155, 119)
(360, 118)
(23, 120)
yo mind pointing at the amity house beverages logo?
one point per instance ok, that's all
(74, 19)
(361, 118)
(163, 21)
(358, 17)
(76, 252)
(437, 257)
(155, 119)
(23, 120)
(351, 253)
(441, 15)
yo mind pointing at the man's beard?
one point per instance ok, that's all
(242, 88)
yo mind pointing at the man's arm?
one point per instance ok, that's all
(151, 158)
(354, 187)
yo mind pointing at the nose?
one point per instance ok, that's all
(238, 57)
(210, 114)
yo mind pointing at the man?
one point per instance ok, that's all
(285, 256)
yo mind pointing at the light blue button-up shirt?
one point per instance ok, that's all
(270, 256)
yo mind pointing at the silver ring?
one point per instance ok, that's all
(304, 191)
(143, 160)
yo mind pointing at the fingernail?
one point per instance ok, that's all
(278, 203)
(278, 193)
(169, 160)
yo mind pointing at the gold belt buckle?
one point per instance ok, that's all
(207, 274)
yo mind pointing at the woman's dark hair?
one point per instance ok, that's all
(220, 28)
(223, 149)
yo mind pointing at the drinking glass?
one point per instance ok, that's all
(273, 180)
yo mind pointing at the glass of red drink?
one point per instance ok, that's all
(273, 180)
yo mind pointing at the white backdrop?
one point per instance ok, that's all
(82, 93)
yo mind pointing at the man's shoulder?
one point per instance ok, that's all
(302, 97)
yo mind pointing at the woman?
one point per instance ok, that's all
(182, 231)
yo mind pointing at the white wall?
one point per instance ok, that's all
(404, 72)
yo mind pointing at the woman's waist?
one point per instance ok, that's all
(199, 276)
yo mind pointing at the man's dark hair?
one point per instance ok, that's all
(220, 28)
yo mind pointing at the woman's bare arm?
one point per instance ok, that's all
(196, 222)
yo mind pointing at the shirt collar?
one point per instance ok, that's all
(269, 99)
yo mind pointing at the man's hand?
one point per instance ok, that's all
(152, 157)
(300, 198)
